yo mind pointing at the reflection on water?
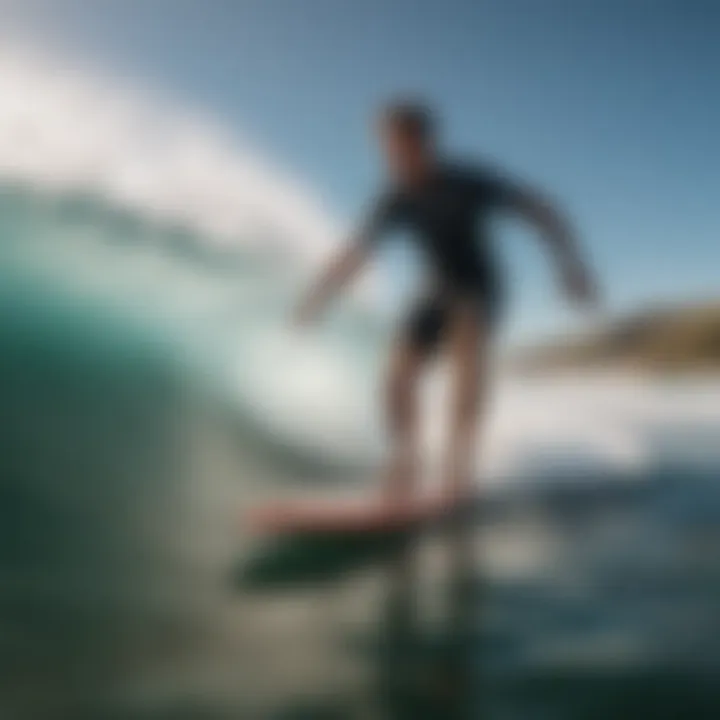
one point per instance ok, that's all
(557, 601)
(421, 674)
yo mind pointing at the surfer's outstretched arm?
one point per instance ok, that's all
(340, 271)
(348, 262)
(575, 275)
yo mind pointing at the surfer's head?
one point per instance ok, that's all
(408, 134)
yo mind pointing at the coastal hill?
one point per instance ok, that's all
(678, 339)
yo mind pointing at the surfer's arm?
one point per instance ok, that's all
(339, 272)
(383, 213)
(559, 236)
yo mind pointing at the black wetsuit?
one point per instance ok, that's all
(448, 217)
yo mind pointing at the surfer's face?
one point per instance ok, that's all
(406, 153)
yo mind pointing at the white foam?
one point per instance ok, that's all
(309, 393)
(64, 128)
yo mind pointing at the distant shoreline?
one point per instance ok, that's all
(668, 342)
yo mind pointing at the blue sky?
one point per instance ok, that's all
(612, 105)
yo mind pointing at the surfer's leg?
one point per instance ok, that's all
(409, 356)
(401, 385)
(468, 348)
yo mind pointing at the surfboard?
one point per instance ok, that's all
(343, 515)
(317, 541)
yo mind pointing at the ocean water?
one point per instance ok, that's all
(151, 394)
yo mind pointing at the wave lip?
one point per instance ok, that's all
(67, 129)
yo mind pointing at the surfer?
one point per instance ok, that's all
(446, 206)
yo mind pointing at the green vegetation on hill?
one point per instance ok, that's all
(681, 339)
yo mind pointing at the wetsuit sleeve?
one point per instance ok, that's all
(492, 189)
(379, 219)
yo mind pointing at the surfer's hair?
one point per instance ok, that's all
(412, 117)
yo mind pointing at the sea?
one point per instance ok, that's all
(153, 394)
